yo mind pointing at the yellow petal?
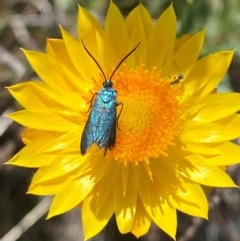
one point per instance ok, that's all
(107, 54)
(38, 183)
(167, 179)
(225, 148)
(105, 187)
(125, 204)
(45, 188)
(93, 221)
(69, 140)
(139, 25)
(46, 66)
(32, 94)
(163, 215)
(124, 177)
(191, 199)
(79, 57)
(31, 156)
(64, 98)
(200, 170)
(189, 51)
(68, 198)
(115, 27)
(51, 187)
(208, 132)
(73, 166)
(222, 66)
(142, 221)
(23, 92)
(144, 17)
(163, 36)
(137, 35)
(43, 120)
(201, 83)
(210, 175)
(231, 121)
(160, 212)
(57, 49)
(220, 104)
(30, 135)
(62, 165)
(182, 40)
(87, 28)
(144, 186)
(225, 160)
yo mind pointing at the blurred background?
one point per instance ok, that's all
(27, 24)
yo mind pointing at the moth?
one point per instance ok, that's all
(102, 121)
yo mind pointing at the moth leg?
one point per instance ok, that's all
(119, 103)
(91, 102)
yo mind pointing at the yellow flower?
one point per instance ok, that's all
(172, 138)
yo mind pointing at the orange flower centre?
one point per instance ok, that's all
(150, 115)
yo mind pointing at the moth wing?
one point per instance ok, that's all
(112, 139)
(86, 140)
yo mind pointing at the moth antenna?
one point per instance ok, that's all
(123, 60)
(94, 60)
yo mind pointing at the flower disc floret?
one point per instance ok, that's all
(150, 116)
